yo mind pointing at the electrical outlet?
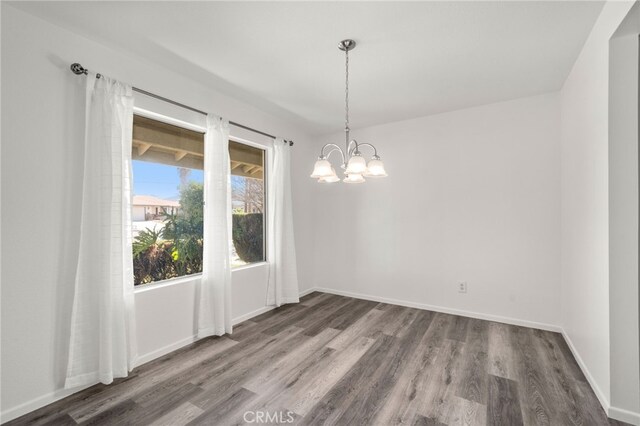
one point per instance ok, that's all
(462, 287)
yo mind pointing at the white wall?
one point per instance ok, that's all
(624, 299)
(472, 195)
(178, 298)
(42, 133)
(585, 214)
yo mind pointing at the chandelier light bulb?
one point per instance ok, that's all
(322, 169)
(375, 168)
(356, 165)
(330, 179)
(353, 178)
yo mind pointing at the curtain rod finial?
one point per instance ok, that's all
(78, 69)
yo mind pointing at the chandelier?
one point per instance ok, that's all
(356, 168)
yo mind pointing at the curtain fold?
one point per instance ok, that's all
(103, 338)
(281, 251)
(214, 304)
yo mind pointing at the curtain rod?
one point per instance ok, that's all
(78, 69)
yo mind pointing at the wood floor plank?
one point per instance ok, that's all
(226, 410)
(268, 320)
(337, 400)
(61, 420)
(336, 360)
(383, 306)
(345, 320)
(116, 414)
(403, 401)
(590, 406)
(424, 421)
(218, 383)
(303, 391)
(144, 379)
(468, 413)
(358, 328)
(388, 323)
(303, 318)
(278, 392)
(180, 416)
(569, 363)
(162, 404)
(263, 380)
(398, 325)
(312, 301)
(472, 378)
(342, 318)
(380, 383)
(535, 393)
(310, 296)
(458, 329)
(500, 356)
(560, 375)
(439, 391)
(503, 402)
(320, 312)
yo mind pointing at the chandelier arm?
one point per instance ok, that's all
(351, 151)
(335, 148)
(375, 151)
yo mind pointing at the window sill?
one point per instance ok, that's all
(182, 280)
(166, 283)
(249, 266)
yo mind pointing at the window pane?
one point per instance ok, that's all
(167, 202)
(248, 203)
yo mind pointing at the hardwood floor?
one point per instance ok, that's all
(338, 360)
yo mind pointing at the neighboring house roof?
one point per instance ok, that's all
(148, 200)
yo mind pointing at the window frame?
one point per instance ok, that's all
(192, 124)
(185, 125)
(266, 150)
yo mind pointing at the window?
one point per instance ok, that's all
(248, 203)
(167, 215)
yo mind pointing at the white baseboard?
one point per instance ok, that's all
(604, 401)
(460, 312)
(184, 342)
(624, 415)
(613, 412)
(252, 314)
(143, 359)
(34, 404)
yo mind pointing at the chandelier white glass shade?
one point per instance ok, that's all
(355, 166)
(333, 177)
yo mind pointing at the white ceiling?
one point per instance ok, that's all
(412, 59)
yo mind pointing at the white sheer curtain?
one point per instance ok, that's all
(283, 276)
(214, 313)
(102, 344)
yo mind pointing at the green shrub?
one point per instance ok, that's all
(248, 236)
